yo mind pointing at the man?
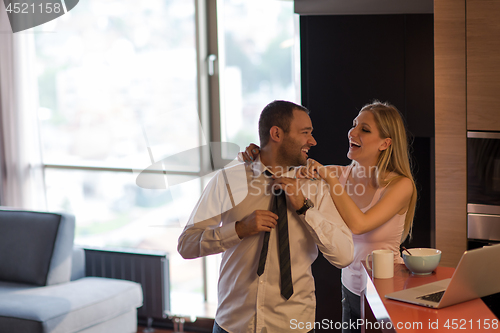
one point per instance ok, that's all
(263, 240)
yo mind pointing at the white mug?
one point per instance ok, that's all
(383, 264)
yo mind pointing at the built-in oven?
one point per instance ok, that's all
(483, 188)
(483, 196)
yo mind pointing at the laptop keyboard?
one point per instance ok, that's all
(434, 297)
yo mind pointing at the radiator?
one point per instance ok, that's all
(149, 268)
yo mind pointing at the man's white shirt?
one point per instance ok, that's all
(248, 302)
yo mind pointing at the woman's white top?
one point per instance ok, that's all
(385, 237)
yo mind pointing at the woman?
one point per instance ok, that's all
(375, 194)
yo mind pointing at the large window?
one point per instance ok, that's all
(257, 63)
(117, 86)
(118, 92)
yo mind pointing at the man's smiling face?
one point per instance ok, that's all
(297, 142)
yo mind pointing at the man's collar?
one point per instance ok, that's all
(258, 168)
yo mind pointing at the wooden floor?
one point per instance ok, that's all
(140, 329)
(156, 330)
(200, 325)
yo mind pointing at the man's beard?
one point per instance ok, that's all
(290, 153)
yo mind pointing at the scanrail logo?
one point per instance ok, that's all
(26, 14)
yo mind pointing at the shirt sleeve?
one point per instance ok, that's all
(328, 229)
(205, 232)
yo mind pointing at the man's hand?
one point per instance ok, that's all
(259, 220)
(314, 169)
(292, 190)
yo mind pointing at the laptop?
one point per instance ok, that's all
(477, 275)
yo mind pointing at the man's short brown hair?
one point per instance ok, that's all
(276, 113)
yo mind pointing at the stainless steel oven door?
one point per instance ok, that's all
(483, 222)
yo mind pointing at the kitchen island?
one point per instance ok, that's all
(385, 315)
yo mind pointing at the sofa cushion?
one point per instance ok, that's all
(35, 247)
(124, 323)
(68, 307)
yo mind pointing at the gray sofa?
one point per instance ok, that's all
(43, 287)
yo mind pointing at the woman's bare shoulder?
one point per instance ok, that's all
(398, 181)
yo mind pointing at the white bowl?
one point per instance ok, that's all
(422, 261)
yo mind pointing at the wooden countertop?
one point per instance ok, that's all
(471, 316)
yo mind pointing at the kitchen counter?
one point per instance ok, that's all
(387, 315)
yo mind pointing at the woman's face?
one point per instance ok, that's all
(365, 144)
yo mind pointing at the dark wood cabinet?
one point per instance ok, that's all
(348, 61)
(483, 65)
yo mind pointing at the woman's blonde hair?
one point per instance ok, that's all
(396, 158)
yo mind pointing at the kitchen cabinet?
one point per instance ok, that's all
(483, 65)
(450, 129)
(467, 97)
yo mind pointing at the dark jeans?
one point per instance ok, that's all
(218, 329)
(351, 311)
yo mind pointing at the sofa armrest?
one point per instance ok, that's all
(78, 264)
